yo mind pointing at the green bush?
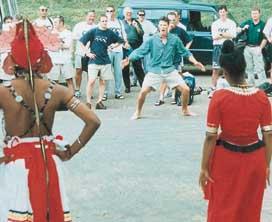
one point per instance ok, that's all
(74, 10)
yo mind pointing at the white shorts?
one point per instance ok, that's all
(154, 81)
(14, 193)
(104, 71)
(61, 72)
(78, 64)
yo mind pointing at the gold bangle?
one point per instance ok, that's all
(74, 104)
(79, 142)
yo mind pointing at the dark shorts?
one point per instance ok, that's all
(268, 52)
(216, 56)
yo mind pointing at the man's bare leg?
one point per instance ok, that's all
(215, 76)
(185, 93)
(163, 88)
(140, 102)
(89, 89)
(101, 90)
(70, 84)
(78, 78)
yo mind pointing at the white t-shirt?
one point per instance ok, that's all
(219, 26)
(118, 28)
(149, 29)
(43, 22)
(79, 30)
(63, 55)
(182, 26)
(268, 28)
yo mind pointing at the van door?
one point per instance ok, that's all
(199, 27)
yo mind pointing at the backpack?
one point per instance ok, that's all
(191, 83)
(266, 87)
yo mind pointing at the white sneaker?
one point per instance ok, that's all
(77, 94)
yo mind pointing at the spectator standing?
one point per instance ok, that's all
(149, 29)
(43, 20)
(134, 33)
(101, 41)
(179, 24)
(8, 23)
(78, 31)
(116, 54)
(222, 29)
(255, 42)
(62, 59)
(268, 34)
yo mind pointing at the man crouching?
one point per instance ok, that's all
(163, 47)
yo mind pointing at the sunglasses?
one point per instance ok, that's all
(109, 11)
(141, 14)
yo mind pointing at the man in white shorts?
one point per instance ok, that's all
(163, 48)
(101, 41)
(62, 60)
(79, 30)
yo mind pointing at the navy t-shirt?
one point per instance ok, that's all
(184, 37)
(100, 40)
(182, 34)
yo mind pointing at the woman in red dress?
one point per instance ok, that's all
(235, 163)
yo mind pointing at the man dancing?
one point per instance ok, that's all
(164, 48)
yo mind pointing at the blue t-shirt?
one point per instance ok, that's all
(100, 40)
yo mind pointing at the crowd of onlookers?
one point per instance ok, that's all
(121, 37)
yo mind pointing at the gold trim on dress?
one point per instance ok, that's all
(243, 91)
(212, 129)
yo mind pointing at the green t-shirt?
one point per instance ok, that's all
(254, 32)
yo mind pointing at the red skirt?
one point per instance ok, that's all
(239, 182)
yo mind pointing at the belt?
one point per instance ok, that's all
(240, 149)
(249, 45)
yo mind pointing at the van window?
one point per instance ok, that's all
(201, 21)
(154, 15)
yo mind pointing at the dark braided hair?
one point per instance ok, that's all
(232, 60)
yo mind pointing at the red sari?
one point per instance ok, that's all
(239, 178)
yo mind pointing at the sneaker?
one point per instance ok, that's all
(119, 97)
(198, 90)
(173, 102)
(100, 105)
(77, 94)
(127, 90)
(158, 103)
(105, 97)
(210, 95)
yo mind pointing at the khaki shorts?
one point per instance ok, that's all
(61, 72)
(154, 81)
(105, 71)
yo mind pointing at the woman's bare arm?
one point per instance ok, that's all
(267, 137)
(91, 121)
(209, 144)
